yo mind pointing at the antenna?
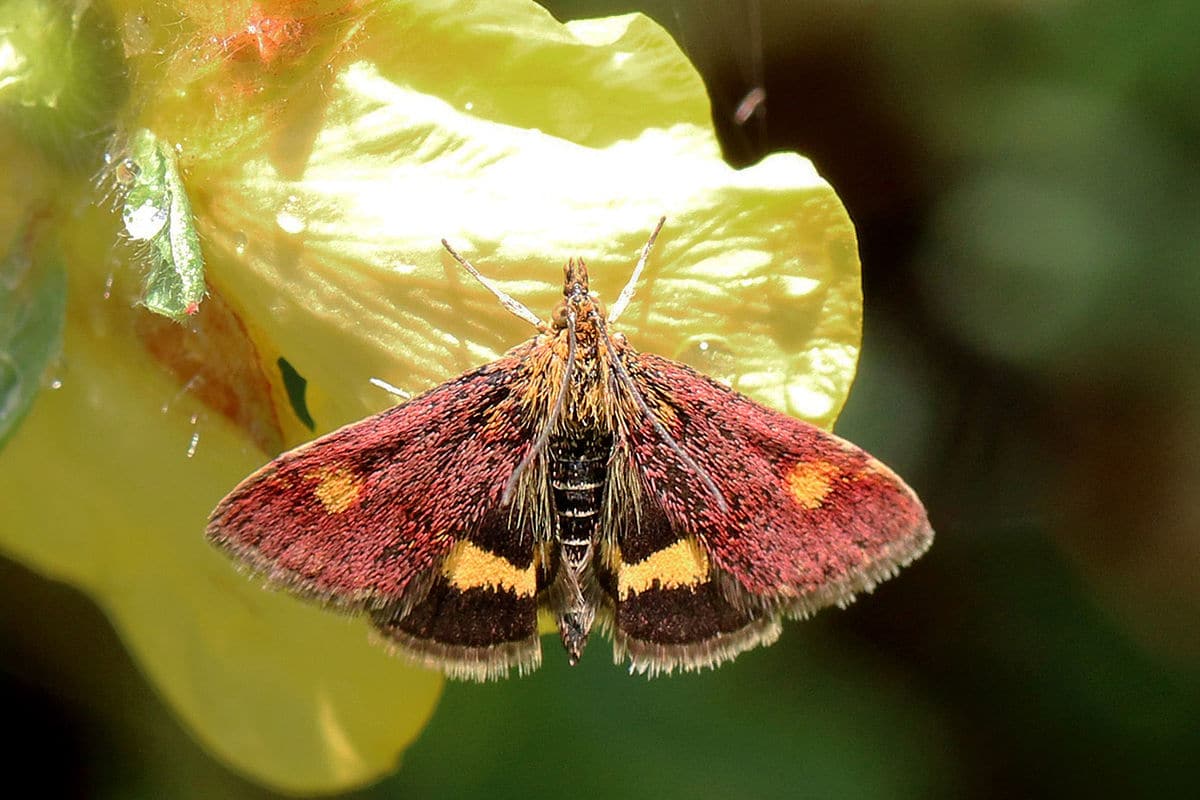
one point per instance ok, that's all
(614, 311)
(509, 302)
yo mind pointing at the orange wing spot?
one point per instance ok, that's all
(468, 566)
(337, 488)
(810, 481)
(682, 564)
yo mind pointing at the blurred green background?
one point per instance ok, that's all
(1023, 178)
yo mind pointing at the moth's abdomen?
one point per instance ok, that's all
(578, 472)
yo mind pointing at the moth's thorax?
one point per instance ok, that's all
(575, 334)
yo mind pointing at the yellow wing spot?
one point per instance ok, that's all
(682, 564)
(810, 481)
(337, 487)
(470, 567)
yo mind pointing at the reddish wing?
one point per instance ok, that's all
(810, 519)
(355, 516)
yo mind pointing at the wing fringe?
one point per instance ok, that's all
(480, 664)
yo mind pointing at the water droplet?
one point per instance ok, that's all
(55, 384)
(137, 36)
(10, 386)
(709, 353)
(289, 218)
(239, 243)
(144, 222)
(290, 223)
(195, 440)
(469, 106)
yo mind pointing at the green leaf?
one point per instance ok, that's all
(156, 211)
(32, 306)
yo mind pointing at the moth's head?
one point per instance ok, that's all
(575, 278)
(576, 296)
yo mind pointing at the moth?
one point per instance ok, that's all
(610, 489)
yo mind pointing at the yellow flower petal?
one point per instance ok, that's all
(324, 166)
(100, 491)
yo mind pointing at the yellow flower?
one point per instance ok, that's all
(325, 156)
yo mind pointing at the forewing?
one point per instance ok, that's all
(809, 518)
(400, 514)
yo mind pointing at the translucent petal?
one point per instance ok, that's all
(323, 166)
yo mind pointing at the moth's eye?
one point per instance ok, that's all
(559, 318)
(599, 306)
